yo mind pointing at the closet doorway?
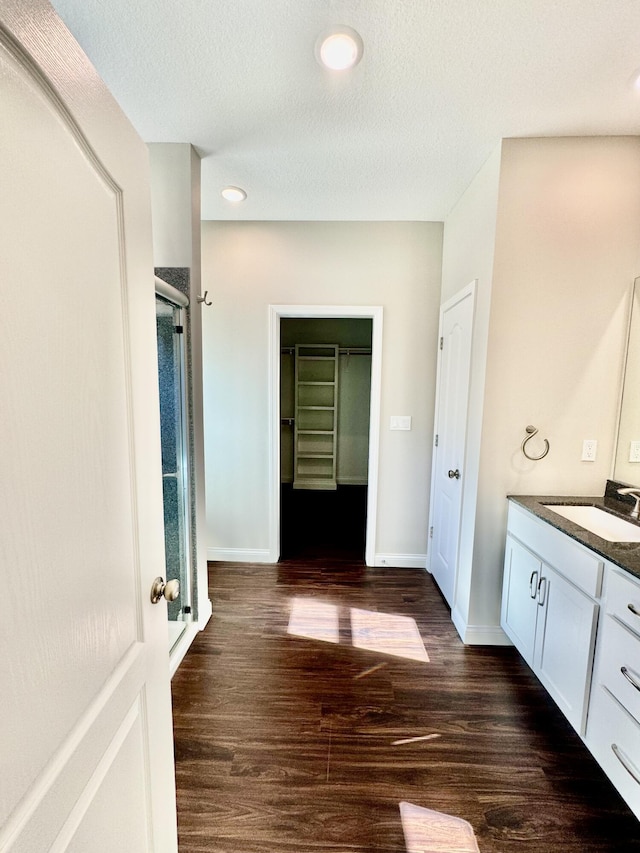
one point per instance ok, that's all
(325, 399)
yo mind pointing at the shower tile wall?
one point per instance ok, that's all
(170, 436)
(180, 278)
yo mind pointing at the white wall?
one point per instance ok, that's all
(468, 250)
(175, 206)
(566, 253)
(172, 198)
(248, 266)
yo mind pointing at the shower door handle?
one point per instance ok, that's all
(170, 590)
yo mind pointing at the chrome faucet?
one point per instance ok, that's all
(635, 493)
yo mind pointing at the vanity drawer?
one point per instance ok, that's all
(614, 740)
(620, 650)
(623, 599)
(575, 562)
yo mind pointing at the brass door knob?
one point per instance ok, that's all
(170, 590)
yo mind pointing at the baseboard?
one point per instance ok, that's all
(479, 635)
(205, 610)
(182, 647)
(400, 561)
(239, 555)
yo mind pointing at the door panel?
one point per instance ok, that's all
(117, 772)
(565, 646)
(522, 573)
(86, 684)
(454, 365)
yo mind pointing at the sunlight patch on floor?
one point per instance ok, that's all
(315, 620)
(387, 634)
(383, 633)
(427, 831)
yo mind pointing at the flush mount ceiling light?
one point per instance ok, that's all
(339, 48)
(234, 194)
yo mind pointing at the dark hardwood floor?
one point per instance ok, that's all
(288, 744)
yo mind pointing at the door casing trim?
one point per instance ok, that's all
(276, 313)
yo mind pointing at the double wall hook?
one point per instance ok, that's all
(202, 299)
(531, 431)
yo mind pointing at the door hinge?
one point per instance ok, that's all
(436, 440)
(431, 533)
(441, 342)
(179, 330)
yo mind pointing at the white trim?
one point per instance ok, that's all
(205, 611)
(479, 635)
(192, 630)
(182, 646)
(240, 555)
(276, 312)
(400, 561)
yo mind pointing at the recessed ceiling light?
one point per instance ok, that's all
(233, 194)
(339, 48)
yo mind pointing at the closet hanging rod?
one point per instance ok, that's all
(342, 350)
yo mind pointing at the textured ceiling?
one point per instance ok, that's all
(398, 137)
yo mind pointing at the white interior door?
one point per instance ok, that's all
(86, 762)
(454, 369)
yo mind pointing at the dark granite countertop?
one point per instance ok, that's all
(623, 554)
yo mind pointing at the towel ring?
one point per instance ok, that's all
(531, 431)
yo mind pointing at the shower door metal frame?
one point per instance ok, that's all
(180, 302)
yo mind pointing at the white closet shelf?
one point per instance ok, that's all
(316, 385)
(316, 358)
(303, 455)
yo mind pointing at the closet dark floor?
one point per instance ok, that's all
(287, 745)
(331, 523)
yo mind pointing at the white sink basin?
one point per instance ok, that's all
(596, 520)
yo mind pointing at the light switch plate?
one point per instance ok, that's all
(400, 422)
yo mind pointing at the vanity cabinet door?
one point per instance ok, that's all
(565, 639)
(522, 573)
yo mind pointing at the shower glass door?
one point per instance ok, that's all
(175, 461)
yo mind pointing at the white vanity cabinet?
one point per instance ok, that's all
(613, 731)
(550, 605)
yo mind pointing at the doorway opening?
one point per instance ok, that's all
(325, 381)
(325, 391)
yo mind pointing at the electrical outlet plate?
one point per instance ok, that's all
(634, 451)
(589, 450)
(400, 422)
